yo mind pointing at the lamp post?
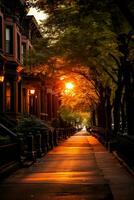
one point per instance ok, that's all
(32, 93)
(69, 85)
(2, 76)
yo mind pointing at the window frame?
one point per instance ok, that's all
(9, 44)
(18, 46)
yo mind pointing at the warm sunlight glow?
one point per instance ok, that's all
(69, 86)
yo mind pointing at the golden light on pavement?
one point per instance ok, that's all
(57, 177)
(69, 85)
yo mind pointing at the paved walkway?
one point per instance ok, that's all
(79, 169)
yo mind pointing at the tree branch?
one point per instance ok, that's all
(110, 75)
(115, 59)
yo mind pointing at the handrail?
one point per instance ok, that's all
(7, 131)
(7, 145)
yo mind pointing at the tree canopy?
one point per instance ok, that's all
(93, 34)
(81, 96)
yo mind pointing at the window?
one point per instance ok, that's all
(8, 96)
(0, 32)
(18, 46)
(9, 40)
(23, 53)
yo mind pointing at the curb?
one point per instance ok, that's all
(123, 163)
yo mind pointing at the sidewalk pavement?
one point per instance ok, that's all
(120, 180)
(80, 168)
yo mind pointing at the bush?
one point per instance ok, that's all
(30, 125)
(5, 140)
(60, 123)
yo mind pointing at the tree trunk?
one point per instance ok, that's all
(117, 108)
(101, 115)
(123, 114)
(129, 93)
(108, 112)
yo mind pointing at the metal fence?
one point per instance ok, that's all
(27, 149)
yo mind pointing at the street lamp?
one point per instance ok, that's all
(32, 91)
(69, 85)
(1, 78)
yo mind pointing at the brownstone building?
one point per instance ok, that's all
(21, 92)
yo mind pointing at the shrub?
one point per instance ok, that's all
(30, 125)
(4, 140)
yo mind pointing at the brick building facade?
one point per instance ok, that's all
(21, 92)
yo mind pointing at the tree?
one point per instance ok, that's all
(81, 96)
(74, 117)
(85, 33)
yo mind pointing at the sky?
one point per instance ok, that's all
(38, 15)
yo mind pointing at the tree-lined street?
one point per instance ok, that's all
(72, 71)
(93, 41)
